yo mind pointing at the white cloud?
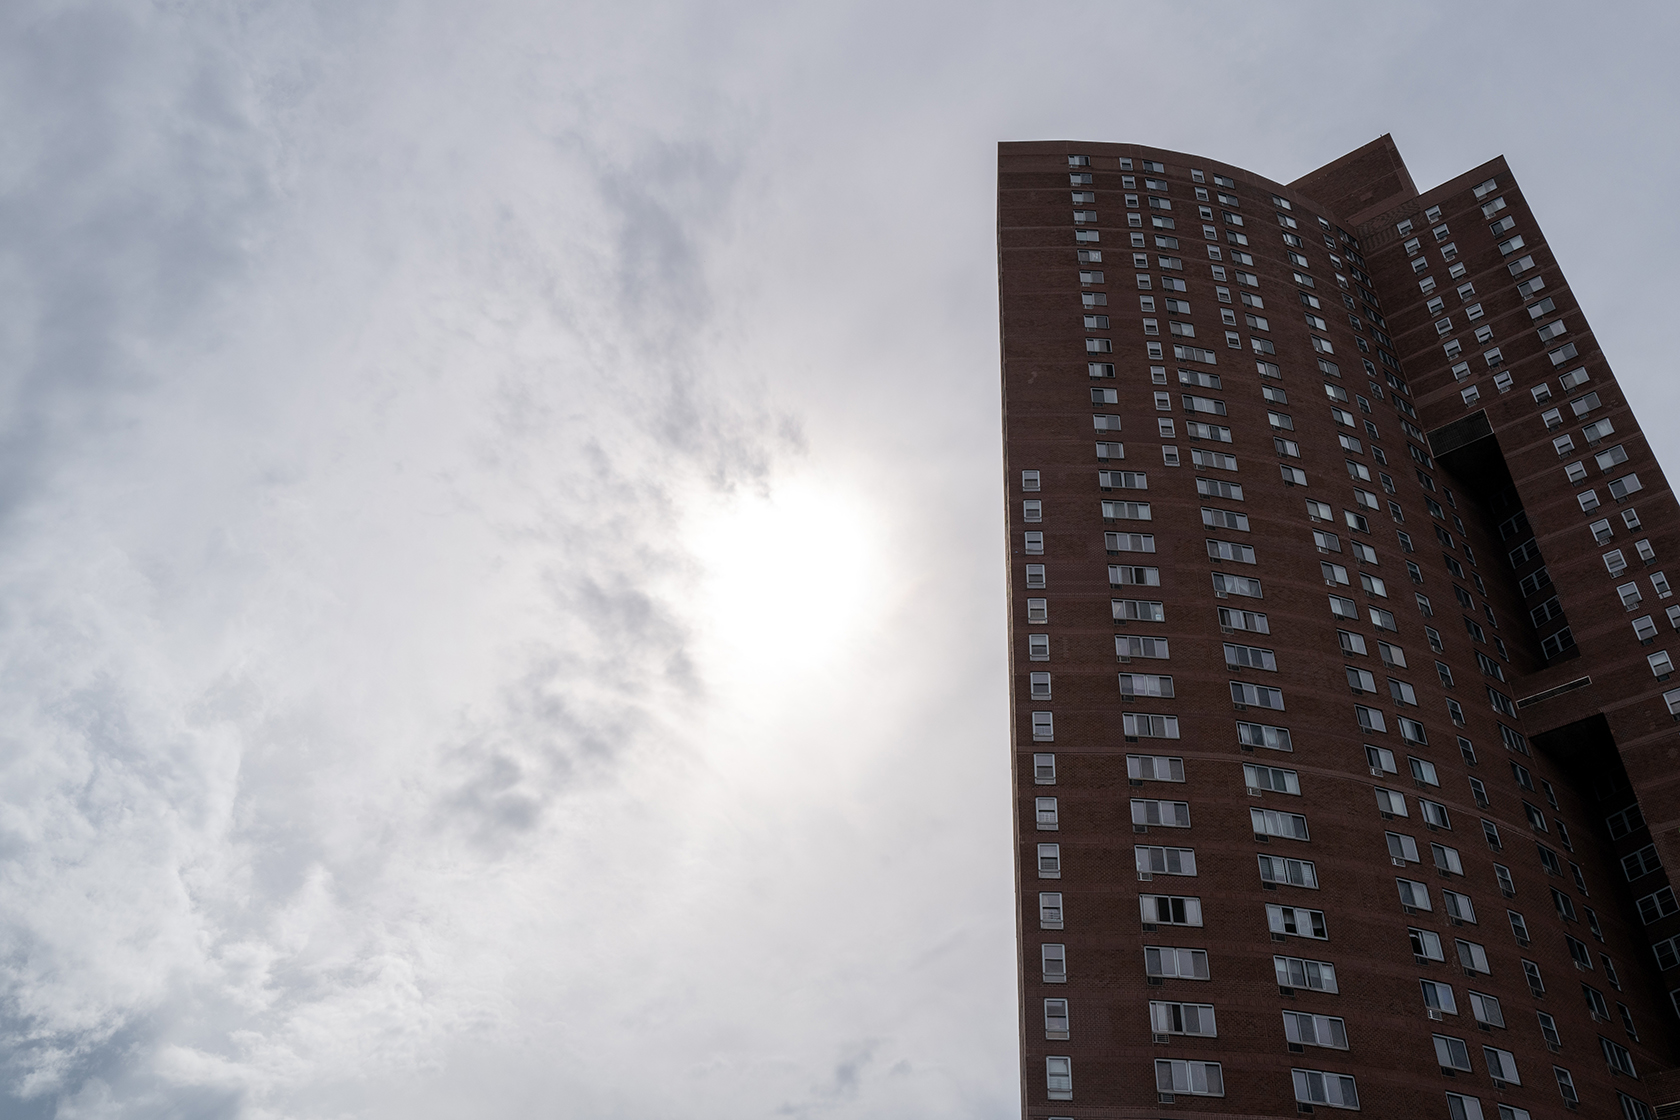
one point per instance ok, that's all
(411, 413)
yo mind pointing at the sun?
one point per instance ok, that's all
(786, 577)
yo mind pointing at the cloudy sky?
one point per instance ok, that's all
(501, 587)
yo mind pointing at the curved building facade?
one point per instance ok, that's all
(1344, 724)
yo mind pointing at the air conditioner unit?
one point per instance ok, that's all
(1397, 861)
(1434, 1014)
(1158, 1038)
(1146, 876)
(1254, 792)
(1377, 772)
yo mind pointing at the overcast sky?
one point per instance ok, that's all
(501, 564)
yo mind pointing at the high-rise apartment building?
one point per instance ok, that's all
(1346, 753)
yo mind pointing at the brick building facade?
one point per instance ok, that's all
(1344, 737)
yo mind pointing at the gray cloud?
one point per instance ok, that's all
(378, 740)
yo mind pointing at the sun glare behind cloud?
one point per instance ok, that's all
(782, 588)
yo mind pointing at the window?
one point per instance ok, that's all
(1044, 769)
(1413, 895)
(1458, 906)
(1044, 809)
(1296, 972)
(1271, 822)
(1633, 1109)
(1164, 814)
(1182, 1018)
(1049, 861)
(1164, 861)
(1055, 1018)
(1564, 905)
(1202, 1079)
(1156, 768)
(1314, 1030)
(1171, 909)
(1043, 727)
(1438, 997)
(1054, 959)
(1617, 1055)
(1058, 1078)
(1447, 859)
(1401, 848)
(1050, 910)
(1139, 610)
(1271, 778)
(1426, 945)
(1316, 1087)
(1486, 1008)
(1185, 964)
(1452, 1053)
(1626, 821)
(1038, 610)
(1297, 922)
(1657, 905)
(1501, 1064)
(1566, 1085)
(1641, 863)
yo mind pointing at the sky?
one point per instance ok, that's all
(501, 562)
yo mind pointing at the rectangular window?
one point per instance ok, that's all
(1336, 1090)
(1202, 1079)
(1171, 909)
(1184, 964)
(1164, 814)
(1164, 861)
(1271, 778)
(1182, 1018)
(1297, 922)
(1058, 1078)
(1296, 972)
(1657, 905)
(1271, 822)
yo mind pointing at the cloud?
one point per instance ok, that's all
(498, 541)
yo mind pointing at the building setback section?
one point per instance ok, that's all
(1338, 573)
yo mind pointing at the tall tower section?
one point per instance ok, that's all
(1344, 733)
